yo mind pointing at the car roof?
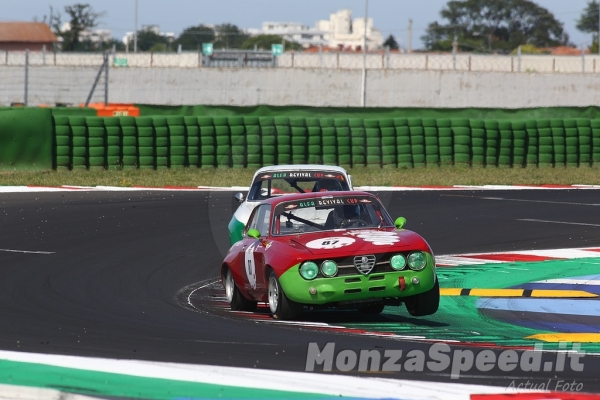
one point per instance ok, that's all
(313, 195)
(301, 167)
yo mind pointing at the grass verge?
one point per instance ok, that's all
(443, 176)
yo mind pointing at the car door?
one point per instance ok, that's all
(262, 225)
(253, 251)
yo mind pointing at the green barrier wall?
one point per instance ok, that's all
(26, 136)
(370, 113)
(234, 141)
(75, 111)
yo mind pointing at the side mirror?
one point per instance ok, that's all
(239, 197)
(399, 222)
(253, 233)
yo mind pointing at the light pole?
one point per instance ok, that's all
(363, 97)
(136, 29)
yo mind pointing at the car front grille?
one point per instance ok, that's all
(364, 264)
(348, 266)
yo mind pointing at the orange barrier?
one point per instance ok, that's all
(115, 110)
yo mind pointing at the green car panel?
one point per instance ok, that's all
(329, 290)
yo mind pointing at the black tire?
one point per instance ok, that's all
(281, 307)
(426, 303)
(236, 299)
(372, 309)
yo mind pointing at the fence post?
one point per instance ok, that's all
(26, 75)
(519, 58)
(469, 63)
(582, 61)
(454, 45)
(44, 55)
(320, 56)
(106, 78)
(293, 53)
(387, 57)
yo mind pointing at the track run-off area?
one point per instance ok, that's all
(114, 292)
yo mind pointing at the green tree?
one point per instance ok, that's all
(90, 46)
(391, 42)
(494, 25)
(588, 22)
(264, 42)
(148, 40)
(192, 37)
(81, 17)
(229, 36)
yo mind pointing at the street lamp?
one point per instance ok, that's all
(363, 99)
(136, 28)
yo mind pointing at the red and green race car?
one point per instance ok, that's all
(323, 250)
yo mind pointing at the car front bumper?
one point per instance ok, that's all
(348, 288)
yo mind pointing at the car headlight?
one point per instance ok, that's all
(417, 260)
(329, 268)
(398, 262)
(309, 270)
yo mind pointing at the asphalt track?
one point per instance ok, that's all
(101, 271)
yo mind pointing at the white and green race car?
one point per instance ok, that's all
(280, 180)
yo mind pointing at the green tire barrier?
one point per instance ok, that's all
(176, 153)
(32, 139)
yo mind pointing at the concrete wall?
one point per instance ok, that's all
(589, 63)
(299, 86)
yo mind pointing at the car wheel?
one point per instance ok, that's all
(236, 299)
(372, 308)
(281, 307)
(426, 303)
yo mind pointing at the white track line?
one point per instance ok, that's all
(556, 222)
(28, 252)
(324, 384)
(12, 392)
(28, 189)
(541, 201)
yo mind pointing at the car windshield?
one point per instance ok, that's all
(271, 184)
(329, 213)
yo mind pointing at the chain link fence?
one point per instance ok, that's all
(327, 60)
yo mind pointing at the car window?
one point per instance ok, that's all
(267, 185)
(262, 222)
(259, 219)
(251, 224)
(329, 213)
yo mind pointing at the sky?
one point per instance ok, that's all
(389, 16)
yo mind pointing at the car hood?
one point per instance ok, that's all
(358, 241)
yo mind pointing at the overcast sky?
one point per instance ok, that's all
(390, 16)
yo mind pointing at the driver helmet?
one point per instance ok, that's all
(327, 185)
(350, 212)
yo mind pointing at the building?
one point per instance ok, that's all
(339, 31)
(343, 32)
(292, 32)
(20, 36)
